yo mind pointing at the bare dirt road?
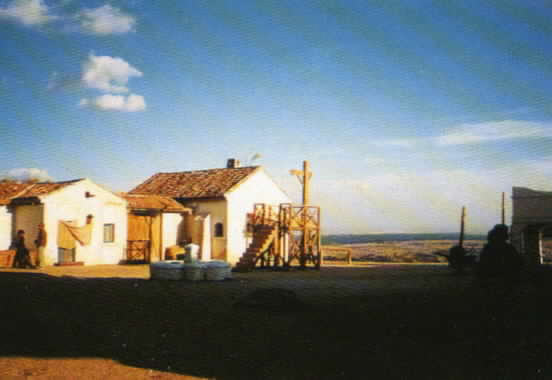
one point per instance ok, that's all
(380, 321)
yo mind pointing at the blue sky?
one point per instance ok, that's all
(407, 110)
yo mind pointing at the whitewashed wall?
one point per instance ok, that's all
(259, 188)
(173, 228)
(27, 219)
(216, 209)
(5, 228)
(531, 206)
(206, 233)
(71, 204)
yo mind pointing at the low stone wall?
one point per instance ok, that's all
(6, 258)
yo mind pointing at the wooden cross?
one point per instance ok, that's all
(304, 177)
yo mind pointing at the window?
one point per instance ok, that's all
(219, 230)
(109, 233)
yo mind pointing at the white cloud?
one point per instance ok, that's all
(108, 74)
(28, 12)
(494, 131)
(404, 143)
(24, 174)
(478, 133)
(106, 20)
(425, 201)
(108, 102)
(102, 21)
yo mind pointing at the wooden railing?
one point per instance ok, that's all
(264, 214)
(298, 231)
(138, 250)
(327, 249)
(297, 217)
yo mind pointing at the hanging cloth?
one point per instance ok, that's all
(68, 233)
(65, 238)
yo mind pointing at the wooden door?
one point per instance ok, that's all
(144, 238)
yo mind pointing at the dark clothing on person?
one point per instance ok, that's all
(41, 238)
(457, 258)
(22, 258)
(499, 259)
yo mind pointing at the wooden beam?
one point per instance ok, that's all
(503, 210)
(306, 179)
(462, 227)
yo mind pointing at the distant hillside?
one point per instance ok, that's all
(374, 238)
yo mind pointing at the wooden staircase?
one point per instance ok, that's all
(262, 239)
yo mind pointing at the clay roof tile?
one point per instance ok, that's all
(211, 183)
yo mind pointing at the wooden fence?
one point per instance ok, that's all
(327, 250)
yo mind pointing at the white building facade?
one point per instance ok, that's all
(76, 203)
(222, 198)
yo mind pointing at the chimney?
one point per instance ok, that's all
(232, 163)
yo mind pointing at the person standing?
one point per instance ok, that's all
(499, 259)
(41, 242)
(22, 259)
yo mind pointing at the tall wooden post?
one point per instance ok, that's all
(306, 180)
(304, 177)
(306, 231)
(462, 226)
(503, 211)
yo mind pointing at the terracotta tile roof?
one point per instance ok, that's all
(153, 202)
(212, 183)
(524, 192)
(44, 188)
(10, 190)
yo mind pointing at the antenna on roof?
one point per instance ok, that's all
(254, 157)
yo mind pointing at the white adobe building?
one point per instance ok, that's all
(531, 222)
(220, 200)
(24, 206)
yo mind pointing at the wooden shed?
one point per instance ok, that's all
(155, 223)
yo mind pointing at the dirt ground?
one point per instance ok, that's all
(373, 320)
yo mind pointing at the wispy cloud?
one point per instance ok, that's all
(478, 133)
(417, 201)
(28, 12)
(404, 143)
(106, 20)
(68, 81)
(101, 21)
(494, 131)
(108, 102)
(24, 174)
(108, 74)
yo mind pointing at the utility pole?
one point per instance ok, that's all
(503, 210)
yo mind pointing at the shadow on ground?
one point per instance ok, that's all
(202, 330)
